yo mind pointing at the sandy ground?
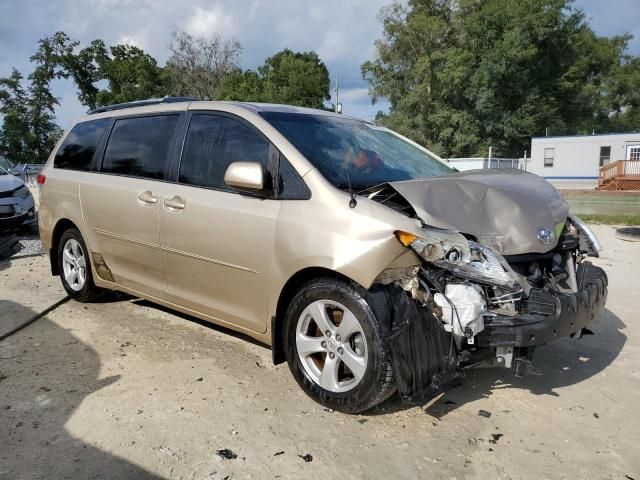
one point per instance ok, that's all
(128, 390)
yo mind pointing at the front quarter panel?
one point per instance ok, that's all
(325, 232)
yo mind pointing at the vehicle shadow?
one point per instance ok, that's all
(561, 363)
(213, 326)
(5, 264)
(45, 374)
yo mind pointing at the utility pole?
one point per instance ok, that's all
(337, 106)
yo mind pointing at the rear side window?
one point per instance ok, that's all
(139, 147)
(214, 142)
(79, 146)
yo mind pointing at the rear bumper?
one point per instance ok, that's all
(570, 314)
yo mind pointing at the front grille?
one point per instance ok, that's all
(7, 211)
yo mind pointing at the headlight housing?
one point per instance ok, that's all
(486, 266)
(478, 263)
(436, 244)
(22, 192)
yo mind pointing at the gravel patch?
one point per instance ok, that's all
(30, 245)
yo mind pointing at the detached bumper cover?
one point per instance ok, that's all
(423, 354)
(570, 314)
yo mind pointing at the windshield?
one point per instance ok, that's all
(370, 154)
(5, 165)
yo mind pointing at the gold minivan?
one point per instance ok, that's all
(360, 257)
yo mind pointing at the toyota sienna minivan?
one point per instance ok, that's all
(360, 257)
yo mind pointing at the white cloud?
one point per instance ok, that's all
(133, 41)
(342, 32)
(205, 22)
(355, 95)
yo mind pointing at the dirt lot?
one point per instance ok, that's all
(127, 390)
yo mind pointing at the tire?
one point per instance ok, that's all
(342, 389)
(9, 245)
(87, 290)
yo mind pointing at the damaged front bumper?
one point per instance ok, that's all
(16, 211)
(473, 308)
(549, 316)
(427, 358)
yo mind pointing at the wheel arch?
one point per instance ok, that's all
(287, 293)
(62, 226)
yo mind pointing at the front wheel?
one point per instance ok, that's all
(334, 347)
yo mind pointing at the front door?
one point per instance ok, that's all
(120, 205)
(217, 243)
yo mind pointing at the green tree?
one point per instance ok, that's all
(295, 78)
(44, 132)
(462, 75)
(622, 101)
(198, 67)
(131, 74)
(29, 131)
(59, 57)
(15, 132)
(243, 86)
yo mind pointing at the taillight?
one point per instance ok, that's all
(41, 178)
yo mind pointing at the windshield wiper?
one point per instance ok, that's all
(352, 202)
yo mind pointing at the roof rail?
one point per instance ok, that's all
(141, 103)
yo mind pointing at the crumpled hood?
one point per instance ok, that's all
(504, 209)
(9, 183)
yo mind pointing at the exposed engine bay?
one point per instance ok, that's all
(496, 308)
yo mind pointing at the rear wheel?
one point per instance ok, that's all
(334, 348)
(74, 266)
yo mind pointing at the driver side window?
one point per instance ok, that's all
(212, 143)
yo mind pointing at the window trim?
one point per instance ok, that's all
(601, 157)
(171, 148)
(96, 155)
(271, 170)
(552, 157)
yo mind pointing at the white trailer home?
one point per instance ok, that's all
(575, 161)
(475, 163)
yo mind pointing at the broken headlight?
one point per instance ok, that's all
(22, 192)
(478, 263)
(486, 266)
(436, 244)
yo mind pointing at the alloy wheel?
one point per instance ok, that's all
(74, 265)
(331, 346)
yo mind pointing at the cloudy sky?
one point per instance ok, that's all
(341, 31)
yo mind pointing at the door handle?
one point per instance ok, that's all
(147, 197)
(175, 203)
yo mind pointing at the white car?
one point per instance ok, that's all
(17, 208)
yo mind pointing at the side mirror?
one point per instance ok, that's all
(245, 175)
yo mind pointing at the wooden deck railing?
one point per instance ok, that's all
(620, 175)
